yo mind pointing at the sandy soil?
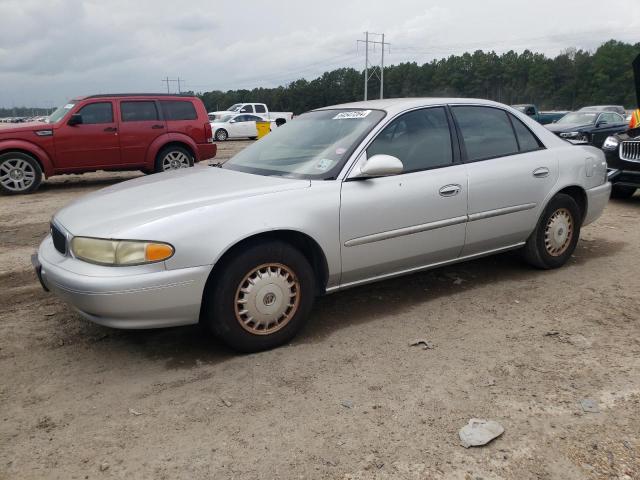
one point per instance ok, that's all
(349, 398)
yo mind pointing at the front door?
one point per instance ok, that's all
(398, 223)
(93, 143)
(510, 174)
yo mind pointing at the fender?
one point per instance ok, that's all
(161, 141)
(39, 153)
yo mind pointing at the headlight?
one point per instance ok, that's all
(611, 143)
(570, 135)
(119, 252)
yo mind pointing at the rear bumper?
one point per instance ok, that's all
(123, 297)
(206, 151)
(597, 199)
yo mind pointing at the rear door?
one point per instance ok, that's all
(140, 125)
(402, 222)
(181, 117)
(92, 144)
(510, 175)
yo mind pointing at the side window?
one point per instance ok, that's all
(138, 111)
(241, 118)
(93, 113)
(247, 109)
(420, 139)
(528, 141)
(260, 109)
(486, 132)
(178, 110)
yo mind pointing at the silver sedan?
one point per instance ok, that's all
(339, 197)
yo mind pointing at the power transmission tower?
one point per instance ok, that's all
(376, 70)
(168, 80)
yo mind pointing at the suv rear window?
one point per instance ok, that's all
(178, 110)
(138, 111)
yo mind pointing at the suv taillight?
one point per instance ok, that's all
(208, 133)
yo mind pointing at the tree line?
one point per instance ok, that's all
(568, 81)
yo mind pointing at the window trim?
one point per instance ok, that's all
(455, 159)
(155, 103)
(113, 116)
(463, 148)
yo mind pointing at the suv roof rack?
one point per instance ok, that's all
(101, 95)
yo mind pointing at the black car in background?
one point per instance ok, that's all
(592, 126)
(623, 161)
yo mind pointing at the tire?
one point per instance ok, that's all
(280, 122)
(173, 157)
(253, 138)
(556, 235)
(221, 135)
(622, 191)
(19, 173)
(245, 309)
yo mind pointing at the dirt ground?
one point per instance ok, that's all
(349, 398)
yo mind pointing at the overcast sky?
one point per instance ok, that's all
(52, 50)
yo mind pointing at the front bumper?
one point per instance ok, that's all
(597, 199)
(626, 178)
(146, 296)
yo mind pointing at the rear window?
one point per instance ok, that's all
(138, 111)
(260, 109)
(178, 110)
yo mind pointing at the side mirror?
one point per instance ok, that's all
(76, 119)
(380, 166)
(233, 120)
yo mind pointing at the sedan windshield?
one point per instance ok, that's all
(60, 112)
(579, 118)
(235, 107)
(225, 118)
(314, 145)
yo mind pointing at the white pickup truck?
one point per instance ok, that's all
(259, 109)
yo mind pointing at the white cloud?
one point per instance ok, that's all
(53, 50)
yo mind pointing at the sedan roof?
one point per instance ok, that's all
(394, 105)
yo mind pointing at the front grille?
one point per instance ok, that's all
(630, 150)
(59, 239)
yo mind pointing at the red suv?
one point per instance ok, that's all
(148, 132)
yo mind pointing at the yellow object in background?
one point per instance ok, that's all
(263, 128)
(635, 119)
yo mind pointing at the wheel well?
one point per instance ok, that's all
(176, 144)
(580, 197)
(302, 242)
(26, 152)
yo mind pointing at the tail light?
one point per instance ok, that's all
(208, 133)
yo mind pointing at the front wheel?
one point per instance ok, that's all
(19, 173)
(622, 191)
(555, 238)
(260, 298)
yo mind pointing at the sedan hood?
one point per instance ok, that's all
(144, 200)
(566, 127)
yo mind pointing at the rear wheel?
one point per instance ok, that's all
(261, 297)
(622, 191)
(19, 173)
(555, 238)
(173, 158)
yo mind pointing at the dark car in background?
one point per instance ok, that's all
(148, 132)
(623, 161)
(589, 126)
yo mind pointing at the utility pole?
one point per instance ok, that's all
(377, 70)
(166, 80)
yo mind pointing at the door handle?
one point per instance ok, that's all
(157, 126)
(111, 129)
(450, 190)
(541, 172)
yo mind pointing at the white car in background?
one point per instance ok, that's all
(260, 109)
(235, 125)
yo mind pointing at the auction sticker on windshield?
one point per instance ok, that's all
(354, 114)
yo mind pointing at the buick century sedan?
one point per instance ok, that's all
(340, 196)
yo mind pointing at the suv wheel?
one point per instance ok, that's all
(622, 191)
(264, 299)
(173, 158)
(221, 135)
(19, 173)
(555, 238)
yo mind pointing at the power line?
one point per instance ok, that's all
(168, 80)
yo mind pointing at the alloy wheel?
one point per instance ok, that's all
(17, 175)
